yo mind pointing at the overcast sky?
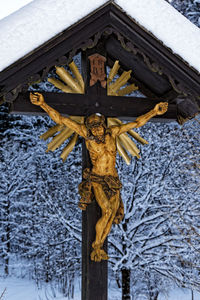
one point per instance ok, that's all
(9, 6)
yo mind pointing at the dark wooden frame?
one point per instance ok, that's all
(87, 33)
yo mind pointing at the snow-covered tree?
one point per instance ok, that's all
(13, 166)
(39, 210)
(189, 8)
(159, 234)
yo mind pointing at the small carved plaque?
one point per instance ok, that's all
(97, 67)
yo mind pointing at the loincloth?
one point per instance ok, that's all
(110, 185)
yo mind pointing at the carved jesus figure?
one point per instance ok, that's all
(103, 179)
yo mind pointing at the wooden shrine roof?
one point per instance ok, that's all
(158, 72)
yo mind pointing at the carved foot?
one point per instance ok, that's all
(98, 255)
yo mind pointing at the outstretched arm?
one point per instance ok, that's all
(159, 109)
(38, 99)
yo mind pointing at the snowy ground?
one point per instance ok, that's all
(180, 294)
(22, 289)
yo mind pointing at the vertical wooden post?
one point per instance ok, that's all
(94, 274)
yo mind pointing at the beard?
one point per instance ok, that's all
(98, 139)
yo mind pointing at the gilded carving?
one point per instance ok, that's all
(76, 85)
(102, 179)
(114, 88)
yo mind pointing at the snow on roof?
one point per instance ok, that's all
(39, 21)
(167, 25)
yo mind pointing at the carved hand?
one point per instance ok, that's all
(37, 98)
(161, 108)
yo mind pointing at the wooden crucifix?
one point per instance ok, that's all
(101, 180)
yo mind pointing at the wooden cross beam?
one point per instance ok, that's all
(82, 105)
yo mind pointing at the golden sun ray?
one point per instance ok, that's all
(60, 133)
(114, 88)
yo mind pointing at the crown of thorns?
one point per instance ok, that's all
(94, 121)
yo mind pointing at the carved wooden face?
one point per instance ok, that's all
(97, 130)
(96, 125)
